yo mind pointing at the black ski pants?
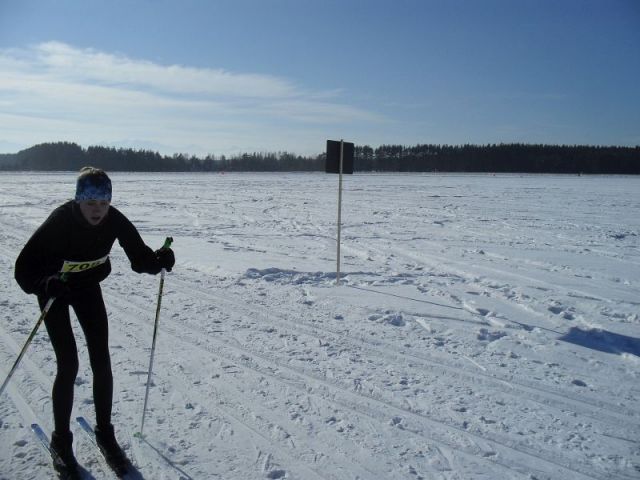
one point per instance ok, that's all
(88, 306)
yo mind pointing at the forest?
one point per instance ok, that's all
(490, 158)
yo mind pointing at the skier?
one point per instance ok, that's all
(67, 257)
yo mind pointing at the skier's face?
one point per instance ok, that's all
(94, 211)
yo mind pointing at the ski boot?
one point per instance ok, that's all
(112, 452)
(64, 462)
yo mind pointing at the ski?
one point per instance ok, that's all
(121, 471)
(58, 465)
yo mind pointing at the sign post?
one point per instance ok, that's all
(340, 161)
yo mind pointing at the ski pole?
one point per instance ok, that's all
(43, 314)
(167, 244)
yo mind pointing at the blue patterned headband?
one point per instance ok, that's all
(93, 187)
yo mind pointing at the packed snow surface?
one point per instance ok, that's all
(486, 327)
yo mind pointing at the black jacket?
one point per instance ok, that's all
(66, 235)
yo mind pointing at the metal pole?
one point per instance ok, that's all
(339, 211)
(167, 244)
(45, 310)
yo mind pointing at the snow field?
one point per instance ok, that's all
(487, 327)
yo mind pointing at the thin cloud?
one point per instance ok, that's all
(88, 65)
(89, 92)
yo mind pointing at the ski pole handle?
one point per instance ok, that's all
(167, 244)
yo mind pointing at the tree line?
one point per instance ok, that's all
(492, 158)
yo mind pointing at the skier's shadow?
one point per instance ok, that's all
(132, 473)
(603, 340)
(84, 473)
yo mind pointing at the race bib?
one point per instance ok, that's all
(70, 266)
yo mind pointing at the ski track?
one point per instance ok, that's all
(176, 378)
(518, 389)
(274, 374)
(218, 299)
(310, 378)
(304, 382)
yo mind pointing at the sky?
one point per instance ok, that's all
(223, 77)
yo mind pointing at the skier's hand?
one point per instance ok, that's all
(166, 259)
(56, 287)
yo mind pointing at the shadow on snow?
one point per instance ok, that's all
(603, 341)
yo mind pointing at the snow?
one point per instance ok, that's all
(487, 327)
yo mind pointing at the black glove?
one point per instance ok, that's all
(55, 287)
(166, 259)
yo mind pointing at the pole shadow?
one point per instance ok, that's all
(182, 474)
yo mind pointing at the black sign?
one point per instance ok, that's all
(333, 157)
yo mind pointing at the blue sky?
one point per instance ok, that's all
(228, 76)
